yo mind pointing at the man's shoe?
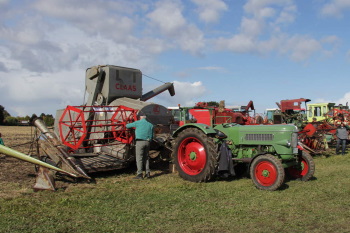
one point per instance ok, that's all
(148, 175)
(138, 177)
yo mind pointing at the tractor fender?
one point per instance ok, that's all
(203, 127)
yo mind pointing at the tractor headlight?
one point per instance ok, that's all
(289, 144)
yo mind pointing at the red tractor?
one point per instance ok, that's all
(209, 115)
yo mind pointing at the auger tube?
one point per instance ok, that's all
(19, 155)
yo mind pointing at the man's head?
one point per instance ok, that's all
(142, 115)
(340, 124)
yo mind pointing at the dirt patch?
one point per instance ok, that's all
(16, 176)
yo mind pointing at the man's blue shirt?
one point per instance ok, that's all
(144, 129)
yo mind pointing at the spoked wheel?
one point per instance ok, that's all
(267, 172)
(72, 127)
(305, 168)
(195, 155)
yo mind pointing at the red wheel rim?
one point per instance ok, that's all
(192, 156)
(73, 121)
(301, 171)
(266, 173)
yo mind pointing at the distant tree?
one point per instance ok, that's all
(9, 120)
(33, 117)
(3, 114)
(213, 104)
(48, 119)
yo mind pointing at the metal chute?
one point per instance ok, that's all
(19, 155)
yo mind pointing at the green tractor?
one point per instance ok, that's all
(270, 152)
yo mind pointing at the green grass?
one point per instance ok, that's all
(167, 203)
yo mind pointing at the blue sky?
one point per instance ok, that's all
(232, 50)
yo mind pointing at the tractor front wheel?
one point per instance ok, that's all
(267, 172)
(305, 168)
(195, 155)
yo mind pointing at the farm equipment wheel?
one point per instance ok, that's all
(267, 172)
(195, 155)
(305, 168)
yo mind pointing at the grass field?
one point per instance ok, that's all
(166, 203)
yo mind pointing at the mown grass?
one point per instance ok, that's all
(166, 203)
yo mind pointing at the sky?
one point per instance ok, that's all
(212, 50)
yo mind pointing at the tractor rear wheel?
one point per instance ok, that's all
(305, 168)
(267, 172)
(195, 155)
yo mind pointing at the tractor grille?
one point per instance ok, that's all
(259, 137)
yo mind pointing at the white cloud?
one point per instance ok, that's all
(287, 15)
(261, 32)
(251, 27)
(239, 43)
(212, 68)
(187, 94)
(261, 20)
(114, 24)
(301, 47)
(343, 100)
(167, 17)
(209, 10)
(261, 8)
(335, 8)
(25, 93)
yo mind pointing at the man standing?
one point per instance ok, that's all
(144, 135)
(342, 136)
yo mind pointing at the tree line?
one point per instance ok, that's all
(7, 119)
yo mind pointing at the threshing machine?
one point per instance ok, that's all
(93, 137)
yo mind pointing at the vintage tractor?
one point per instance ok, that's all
(323, 119)
(203, 113)
(269, 152)
(291, 112)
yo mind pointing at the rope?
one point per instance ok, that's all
(153, 78)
